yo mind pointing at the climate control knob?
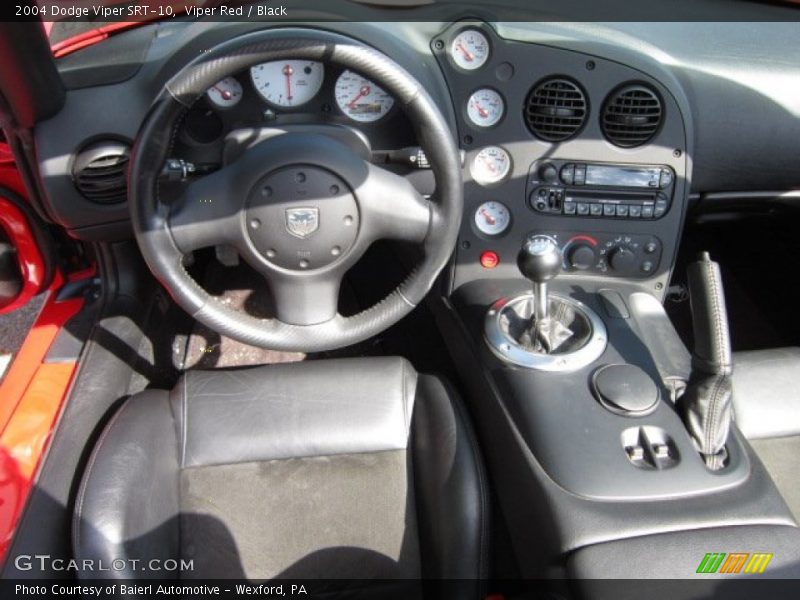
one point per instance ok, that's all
(581, 256)
(621, 258)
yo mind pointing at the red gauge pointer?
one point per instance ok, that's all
(490, 165)
(490, 220)
(362, 93)
(226, 95)
(288, 71)
(482, 111)
(467, 54)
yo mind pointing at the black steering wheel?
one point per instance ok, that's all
(300, 208)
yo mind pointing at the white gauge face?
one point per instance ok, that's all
(470, 49)
(288, 82)
(485, 108)
(360, 99)
(492, 218)
(490, 165)
(225, 93)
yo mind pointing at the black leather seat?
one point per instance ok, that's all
(351, 468)
(766, 401)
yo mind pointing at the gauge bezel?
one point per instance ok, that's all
(392, 109)
(284, 107)
(449, 49)
(478, 126)
(500, 179)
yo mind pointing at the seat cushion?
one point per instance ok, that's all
(766, 395)
(352, 468)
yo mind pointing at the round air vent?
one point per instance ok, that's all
(556, 109)
(100, 172)
(631, 116)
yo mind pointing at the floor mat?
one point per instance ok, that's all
(240, 289)
(781, 457)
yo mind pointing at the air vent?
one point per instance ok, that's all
(556, 109)
(100, 172)
(631, 116)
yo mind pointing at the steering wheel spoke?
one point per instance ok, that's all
(393, 208)
(205, 215)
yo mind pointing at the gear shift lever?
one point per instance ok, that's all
(539, 260)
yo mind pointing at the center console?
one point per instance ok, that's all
(554, 309)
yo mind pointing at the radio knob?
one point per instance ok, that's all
(548, 173)
(621, 259)
(581, 256)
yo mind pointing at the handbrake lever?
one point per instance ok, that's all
(706, 403)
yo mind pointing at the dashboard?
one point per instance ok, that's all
(583, 132)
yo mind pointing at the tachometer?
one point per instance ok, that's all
(490, 165)
(485, 107)
(225, 93)
(360, 99)
(470, 49)
(288, 83)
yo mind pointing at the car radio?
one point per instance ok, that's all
(600, 190)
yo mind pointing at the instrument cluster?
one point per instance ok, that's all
(294, 84)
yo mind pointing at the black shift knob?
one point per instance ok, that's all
(540, 259)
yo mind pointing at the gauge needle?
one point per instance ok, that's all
(226, 95)
(364, 91)
(467, 54)
(482, 111)
(487, 217)
(288, 71)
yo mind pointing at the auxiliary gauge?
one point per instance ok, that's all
(485, 107)
(490, 165)
(470, 49)
(492, 218)
(225, 93)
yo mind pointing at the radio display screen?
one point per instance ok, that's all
(622, 176)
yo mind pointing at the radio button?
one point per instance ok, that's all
(580, 174)
(622, 210)
(583, 208)
(635, 211)
(569, 207)
(660, 208)
(568, 174)
(666, 178)
(647, 211)
(609, 210)
(596, 209)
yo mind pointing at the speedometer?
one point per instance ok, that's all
(360, 99)
(288, 82)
